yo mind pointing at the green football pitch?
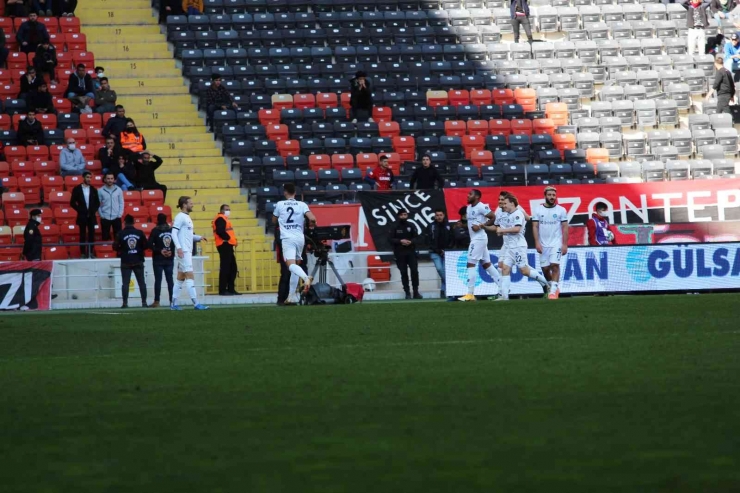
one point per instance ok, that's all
(598, 394)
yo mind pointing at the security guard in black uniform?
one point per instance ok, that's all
(131, 245)
(32, 241)
(403, 237)
(163, 257)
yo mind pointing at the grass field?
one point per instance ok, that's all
(633, 394)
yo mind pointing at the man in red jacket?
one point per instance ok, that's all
(599, 229)
(382, 176)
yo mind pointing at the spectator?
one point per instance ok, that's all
(723, 87)
(41, 101)
(80, 89)
(426, 176)
(192, 7)
(116, 124)
(16, 8)
(599, 230)
(64, 8)
(520, 16)
(43, 7)
(111, 206)
(361, 97)
(108, 155)
(30, 131)
(45, 61)
(86, 202)
(169, 7)
(105, 98)
(4, 52)
(217, 98)
(403, 237)
(31, 34)
(131, 139)
(440, 238)
(382, 176)
(225, 238)
(721, 9)
(32, 241)
(732, 53)
(696, 21)
(460, 232)
(71, 160)
(99, 74)
(163, 257)
(29, 83)
(125, 172)
(146, 165)
(131, 245)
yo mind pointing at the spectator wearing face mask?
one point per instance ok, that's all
(41, 101)
(599, 229)
(45, 61)
(131, 139)
(30, 131)
(32, 241)
(99, 74)
(105, 98)
(71, 160)
(31, 34)
(225, 238)
(111, 206)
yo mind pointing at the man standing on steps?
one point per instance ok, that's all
(217, 99)
(225, 239)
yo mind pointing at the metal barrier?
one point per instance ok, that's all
(259, 271)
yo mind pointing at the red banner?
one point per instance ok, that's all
(660, 202)
(25, 285)
(352, 214)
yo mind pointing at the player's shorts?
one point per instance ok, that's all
(516, 256)
(502, 254)
(478, 251)
(185, 264)
(292, 248)
(550, 255)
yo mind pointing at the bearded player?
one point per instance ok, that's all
(550, 229)
(183, 236)
(499, 214)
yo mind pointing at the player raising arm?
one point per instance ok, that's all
(183, 236)
(550, 229)
(512, 229)
(479, 219)
(290, 216)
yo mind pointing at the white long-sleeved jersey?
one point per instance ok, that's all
(183, 233)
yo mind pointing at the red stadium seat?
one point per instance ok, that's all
(15, 153)
(9, 182)
(37, 153)
(478, 127)
(382, 114)
(502, 96)
(405, 146)
(277, 132)
(543, 126)
(500, 127)
(49, 233)
(151, 198)
(30, 186)
(89, 121)
(160, 209)
(303, 101)
(48, 121)
(55, 253)
(55, 151)
(62, 105)
(79, 134)
(6, 123)
(289, 148)
(16, 217)
(319, 161)
(6, 234)
(4, 169)
(97, 181)
(7, 24)
(59, 199)
(344, 99)
(57, 40)
(388, 129)
(87, 151)
(471, 143)
(269, 117)
(481, 158)
(131, 198)
(70, 233)
(459, 97)
(140, 213)
(17, 59)
(480, 97)
(342, 161)
(22, 169)
(455, 128)
(65, 215)
(367, 160)
(96, 168)
(10, 254)
(13, 200)
(105, 251)
(95, 137)
(76, 41)
(146, 228)
(69, 24)
(72, 181)
(326, 100)
(521, 127)
(50, 182)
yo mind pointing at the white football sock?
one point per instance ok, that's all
(296, 269)
(471, 280)
(176, 292)
(505, 285)
(500, 276)
(293, 286)
(533, 274)
(190, 284)
(493, 272)
(554, 286)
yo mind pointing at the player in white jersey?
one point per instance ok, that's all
(512, 227)
(550, 229)
(290, 216)
(480, 219)
(499, 214)
(183, 236)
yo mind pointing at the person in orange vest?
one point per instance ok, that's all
(131, 139)
(225, 238)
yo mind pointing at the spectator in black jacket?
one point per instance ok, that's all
(169, 7)
(163, 257)
(146, 166)
(64, 8)
(425, 177)
(108, 155)
(217, 98)
(131, 245)
(460, 232)
(440, 238)
(41, 100)
(80, 89)
(116, 124)
(30, 131)
(125, 172)
(361, 97)
(32, 241)
(86, 202)
(4, 52)
(45, 60)
(403, 237)
(31, 34)
(29, 83)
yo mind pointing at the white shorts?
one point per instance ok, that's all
(502, 254)
(185, 264)
(550, 255)
(516, 256)
(292, 248)
(478, 251)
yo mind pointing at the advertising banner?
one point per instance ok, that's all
(381, 211)
(662, 267)
(25, 285)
